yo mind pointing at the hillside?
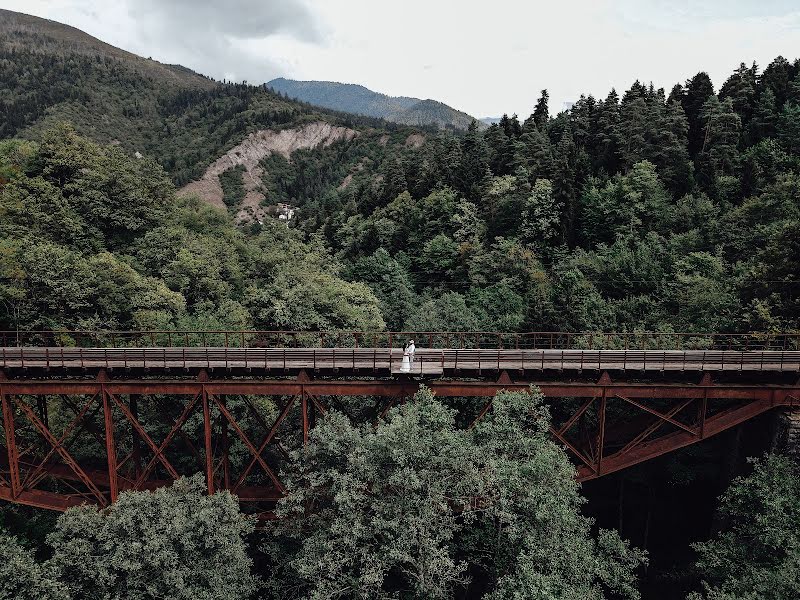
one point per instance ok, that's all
(26, 33)
(213, 139)
(643, 210)
(357, 99)
(54, 73)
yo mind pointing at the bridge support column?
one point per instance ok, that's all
(303, 377)
(111, 448)
(11, 442)
(136, 451)
(209, 449)
(226, 469)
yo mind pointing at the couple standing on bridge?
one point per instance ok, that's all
(408, 357)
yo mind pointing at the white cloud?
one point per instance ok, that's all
(482, 57)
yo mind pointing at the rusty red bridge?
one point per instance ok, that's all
(86, 415)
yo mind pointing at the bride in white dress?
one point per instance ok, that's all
(405, 366)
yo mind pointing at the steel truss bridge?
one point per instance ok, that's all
(87, 415)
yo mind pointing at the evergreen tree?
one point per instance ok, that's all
(474, 159)
(698, 89)
(541, 217)
(635, 126)
(789, 128)
(541, 113)
(740, 87)
(607, 141)
(535, 154)
(565, 189)
(719, 154)
(777, 77)
(794, 90)
(671, 153)
(765, 117)
(394, 182)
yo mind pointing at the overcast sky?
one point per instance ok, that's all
(483, 57)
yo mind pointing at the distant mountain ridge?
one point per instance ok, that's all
(357, 99)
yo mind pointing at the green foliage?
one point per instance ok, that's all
(410, 507)
(541, 216)
(628, 205)
(421, 218)
(534, 513)
(448, 312)
(23, 578)
(175, 542)
(232, 186)
(757, 554)
(94, 239)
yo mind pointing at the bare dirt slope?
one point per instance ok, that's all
(249, 154)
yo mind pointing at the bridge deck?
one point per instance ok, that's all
(384, 360)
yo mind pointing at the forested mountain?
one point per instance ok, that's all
(53, 73)
(352, 98)
(27, 33)
(645, 210)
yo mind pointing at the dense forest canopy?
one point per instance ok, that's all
(673, 212)
(649, 211)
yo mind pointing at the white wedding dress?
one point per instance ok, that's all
(405, 366)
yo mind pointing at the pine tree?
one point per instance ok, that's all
(474, 159)
(394, 182)
(765, 118)
(535, 153)
(794, 90)
(607, 136)
(541, 114)
(698, 90)
(741, 89)
(671, 154)
(564, 183)
(634, 126)
(677, 94)
(789, 128)
(541, 216)
(719, 154)
(777, 77)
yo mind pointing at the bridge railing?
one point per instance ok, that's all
(538, 340)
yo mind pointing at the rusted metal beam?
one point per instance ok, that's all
(178, 424)
(11, 444)
(137, 427)
(265, 442)
(250, 446)
(111, 449)
(671, 442)
(56, 444)
(399, 389)
(591, 452)
(207, 439)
